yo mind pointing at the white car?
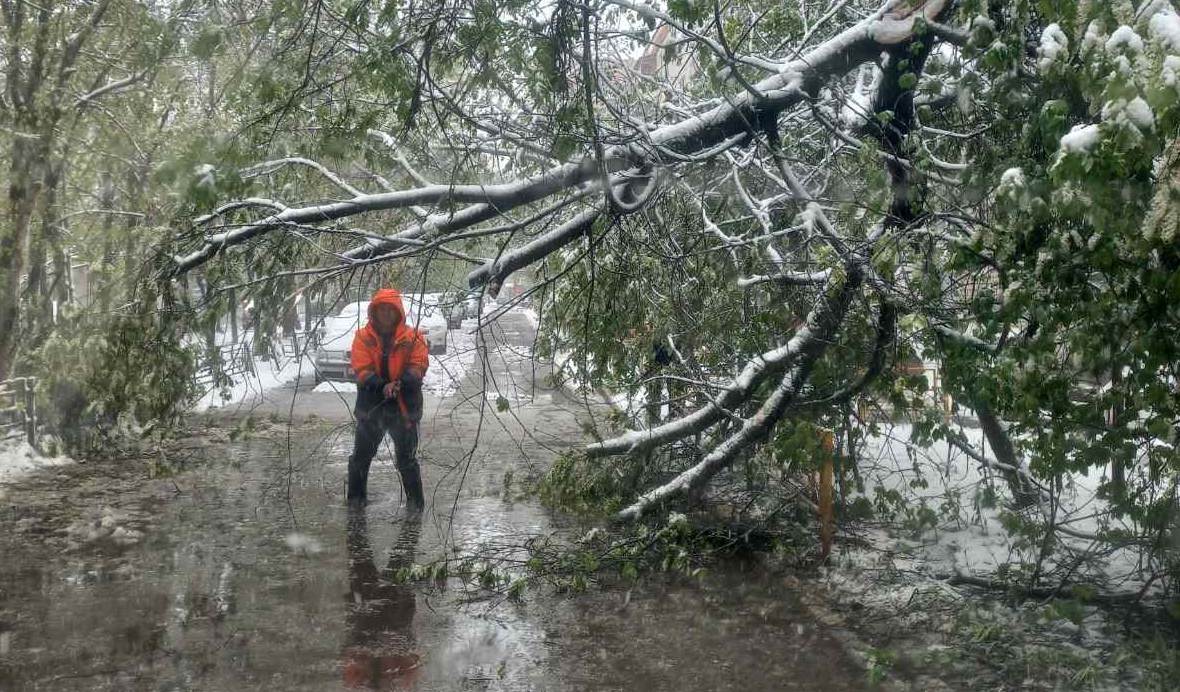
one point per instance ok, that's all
(333, 357)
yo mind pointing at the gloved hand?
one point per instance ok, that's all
(410, 380)
(373, 383)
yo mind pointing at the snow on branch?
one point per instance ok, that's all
(496, 271)
(965, 339)
(388, 140)
(493, 198)
(245, 203)
(813, 342)
(885, 337)
(792, 84)
(787, 278)
(268, 167)
(723, 454)
(815, 333)
(109, 87)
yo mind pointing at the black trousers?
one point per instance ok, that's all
(377, 417)
(373, 425)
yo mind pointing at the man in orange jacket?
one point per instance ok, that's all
(390, 359)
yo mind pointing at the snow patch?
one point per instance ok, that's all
(1095, 36)
(1081, 139)
(335, 387)
(1135, 113)
(448, 370)
(1170, 73)
(1165, 29)
(108, 524)
(302, 544)
(19, 459)
(1125, 39)
(531, 315)
(982, 22)
(857, 110)
(206, 175)
(1012, 180)
(1140, 115)
(267, 375)
(960, 506)
(1054, 44)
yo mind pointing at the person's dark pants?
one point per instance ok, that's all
(373, 423)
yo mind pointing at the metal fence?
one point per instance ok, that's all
(235, 360)
(231, 360)
(18, 409)
(297, 344)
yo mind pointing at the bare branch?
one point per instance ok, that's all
(109, 87)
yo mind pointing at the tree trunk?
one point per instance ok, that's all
(48, 243)
(1023, 494)
(1118, 476)
(23, 187)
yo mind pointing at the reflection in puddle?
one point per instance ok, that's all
(380, 651)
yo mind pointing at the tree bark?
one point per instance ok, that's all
(1023, 494)
(23, 188)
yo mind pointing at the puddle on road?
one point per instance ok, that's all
(223, 593)
(235, 579)
(231, 587)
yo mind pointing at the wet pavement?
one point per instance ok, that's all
(236, 565)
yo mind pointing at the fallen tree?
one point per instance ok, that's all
(846, 189)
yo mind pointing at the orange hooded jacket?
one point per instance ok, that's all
(407, 349)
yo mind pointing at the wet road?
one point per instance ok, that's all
(235, 565)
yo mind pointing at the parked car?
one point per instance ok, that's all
(333, 357)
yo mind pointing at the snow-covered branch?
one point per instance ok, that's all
(814, 334)
(268, 167)
(825, 319)
(494, 273)
(109, 87)
(787, 278)
(489, 201)
(892, 25)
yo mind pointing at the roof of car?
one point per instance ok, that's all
(420, 311)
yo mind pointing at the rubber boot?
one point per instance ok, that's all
(412, 483)
(358, 481)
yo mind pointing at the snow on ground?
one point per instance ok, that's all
(335, 387)
(303, 544)
(964, 531)
(18, 459)
(447, 370)
(531, 315)
(895, 580)
(267, 375)
(104, 524)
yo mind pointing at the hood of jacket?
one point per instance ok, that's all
(392, 297)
